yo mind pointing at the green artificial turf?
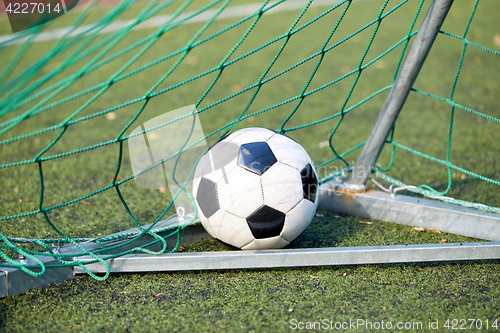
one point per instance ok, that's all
(269, 300)
(261, 300)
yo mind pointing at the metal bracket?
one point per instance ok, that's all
(14, 281)
(411, 211)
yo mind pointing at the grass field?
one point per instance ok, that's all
(254, 300)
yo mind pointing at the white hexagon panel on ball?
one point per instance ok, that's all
(232, 229)
(282, 187)
(240, 192)
(288, 151)
(294, 219)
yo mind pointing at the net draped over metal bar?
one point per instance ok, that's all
(75, 84)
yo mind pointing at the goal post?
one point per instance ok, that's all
(402, 209)
(398, 93)
(144, 247)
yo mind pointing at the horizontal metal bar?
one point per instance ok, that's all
(14, 281)
(371, 204)
(412, 211)
(299, 257)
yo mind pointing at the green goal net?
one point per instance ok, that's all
(73, 91)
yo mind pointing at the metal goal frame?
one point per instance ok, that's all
(350, 197)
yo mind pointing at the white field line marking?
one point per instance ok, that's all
(156, 21)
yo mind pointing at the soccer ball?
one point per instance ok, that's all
(256, 189)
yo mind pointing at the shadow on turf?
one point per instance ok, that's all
(328, 229)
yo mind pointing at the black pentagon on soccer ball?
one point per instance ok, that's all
(309, 183)
(266, 222)
(207, 197)
(256, 157)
